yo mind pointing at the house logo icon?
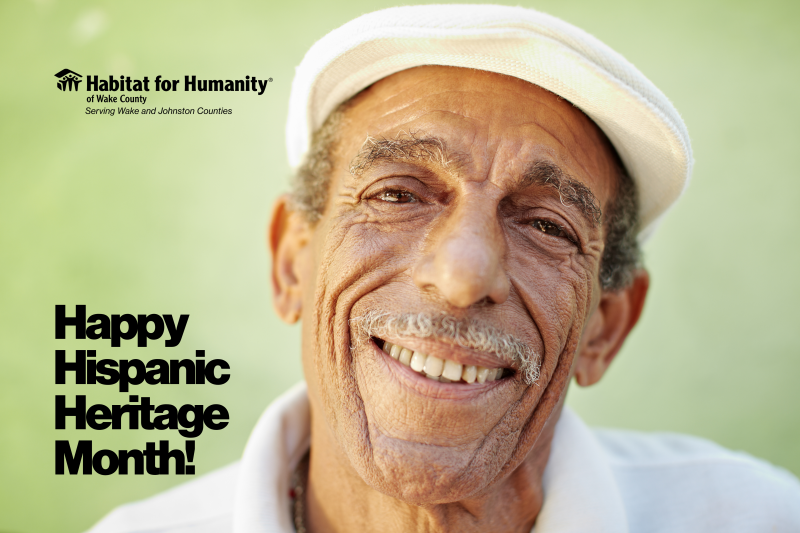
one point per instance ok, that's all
(68, 80)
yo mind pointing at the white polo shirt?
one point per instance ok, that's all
(596, 481)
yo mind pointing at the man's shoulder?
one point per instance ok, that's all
(686, 483)
(203, 505)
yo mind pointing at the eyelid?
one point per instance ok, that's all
(390, 188)
(406, 184)
(569, 234)
(414, 197)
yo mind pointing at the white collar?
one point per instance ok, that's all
(581, 495)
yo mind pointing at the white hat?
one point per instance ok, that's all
(639, 120)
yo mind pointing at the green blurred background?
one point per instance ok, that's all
(167, 215)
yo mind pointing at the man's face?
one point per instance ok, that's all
(458, 217)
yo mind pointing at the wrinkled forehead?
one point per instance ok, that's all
(482, 116)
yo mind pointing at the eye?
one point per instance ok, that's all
(549, 228)
(396, 197)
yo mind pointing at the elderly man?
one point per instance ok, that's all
(462, 239)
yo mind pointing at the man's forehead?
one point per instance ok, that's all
(397, 96)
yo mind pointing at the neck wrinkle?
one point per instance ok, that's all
(338, 499)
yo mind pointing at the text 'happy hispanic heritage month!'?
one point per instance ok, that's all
(87, 368)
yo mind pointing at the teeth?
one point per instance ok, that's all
(434, 366)
(442, 370)
(418, 361)
(395, 353)
(387, 347)
(405, 356)
(470, 373)
(452, 370)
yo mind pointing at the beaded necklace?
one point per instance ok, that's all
(297, 494)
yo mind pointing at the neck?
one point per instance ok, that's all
(338, 500)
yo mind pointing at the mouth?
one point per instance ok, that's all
(438, 369)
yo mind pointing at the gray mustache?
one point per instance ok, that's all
(468, 333)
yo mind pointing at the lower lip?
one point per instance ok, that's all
(436, 389)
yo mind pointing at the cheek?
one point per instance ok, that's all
(577, 273)
(556, 292)
(360, 246)
(352, 257)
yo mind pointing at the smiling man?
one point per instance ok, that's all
(461, 241)
(445, 286)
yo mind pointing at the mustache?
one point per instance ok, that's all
(468, 333)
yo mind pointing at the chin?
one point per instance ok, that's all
(422, 474)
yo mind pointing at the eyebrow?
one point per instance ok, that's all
(570, 191)
(406, 147)
(411, 147)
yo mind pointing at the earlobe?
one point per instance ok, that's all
(288, 236)
(608, 327)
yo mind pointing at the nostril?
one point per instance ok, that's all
(463, 287)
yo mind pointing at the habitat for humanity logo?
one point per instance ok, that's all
(128, 86)
(67, 80)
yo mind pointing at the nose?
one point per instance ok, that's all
(464, 259)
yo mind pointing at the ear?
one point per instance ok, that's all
(608, 327)
(289, 235)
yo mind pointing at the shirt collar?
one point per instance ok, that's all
(580, 493)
